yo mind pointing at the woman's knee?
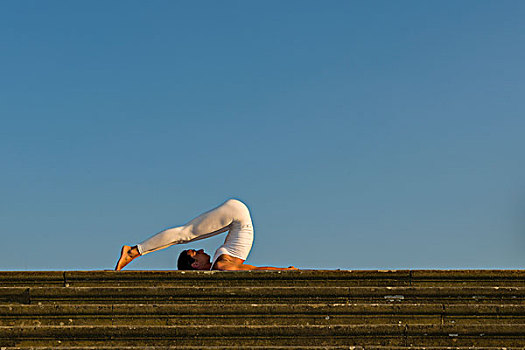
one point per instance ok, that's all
(237, 204)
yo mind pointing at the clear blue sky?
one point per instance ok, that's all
(362, 134)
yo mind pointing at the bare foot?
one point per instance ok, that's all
(126, 255)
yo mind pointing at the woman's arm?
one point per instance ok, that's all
(251, 267)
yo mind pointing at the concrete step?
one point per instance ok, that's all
(214, 348)
(408, 335)
(384, 310)
(139, 294)
(342, 278)
(258, 314)
(269, 347)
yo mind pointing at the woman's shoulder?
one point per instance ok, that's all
(225, 262)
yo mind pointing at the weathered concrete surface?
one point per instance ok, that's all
(269, 347)
(384, 310)
(31, 278)
(266, 278)
(276, 294)
(258, 314)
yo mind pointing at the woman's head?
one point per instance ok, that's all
(192, 259)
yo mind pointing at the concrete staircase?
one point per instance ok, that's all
(307, 309)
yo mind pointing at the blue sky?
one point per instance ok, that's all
(362, 135)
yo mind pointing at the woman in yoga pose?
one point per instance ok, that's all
(232, 216)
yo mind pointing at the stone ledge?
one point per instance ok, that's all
(262, 309)
(301, 309)
(269, 278)
(269, 347)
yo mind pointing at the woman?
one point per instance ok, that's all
(233, 216)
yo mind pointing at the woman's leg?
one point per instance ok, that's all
(208, 224)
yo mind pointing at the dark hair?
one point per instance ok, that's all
(185, 261)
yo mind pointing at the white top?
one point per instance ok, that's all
(238, 242)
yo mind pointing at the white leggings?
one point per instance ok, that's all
(232, 215)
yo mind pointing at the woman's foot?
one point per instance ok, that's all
(126, 255)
